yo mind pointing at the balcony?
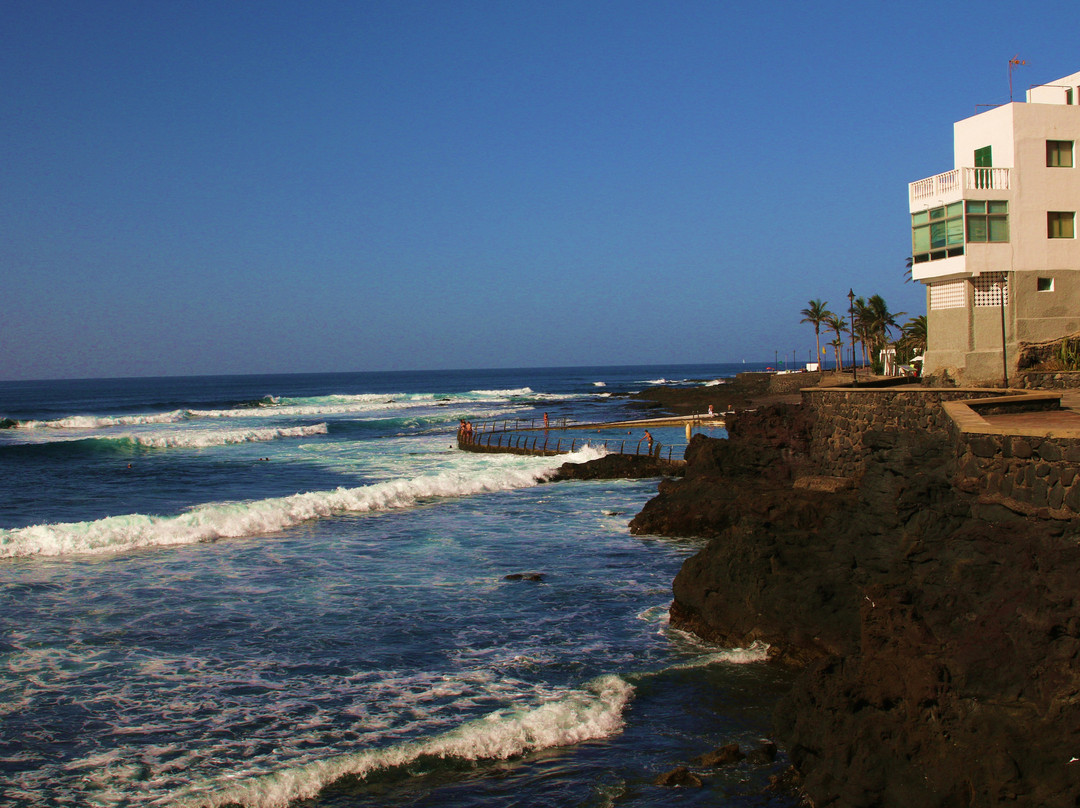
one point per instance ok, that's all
(952, 185)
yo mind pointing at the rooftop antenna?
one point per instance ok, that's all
(1014, 63)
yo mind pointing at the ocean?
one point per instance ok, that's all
(295, 590)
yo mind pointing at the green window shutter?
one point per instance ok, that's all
(983, 158)
(976, 226)
(920, 239)
(999, 228)
(954, 230)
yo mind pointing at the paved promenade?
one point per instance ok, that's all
(644, 423)
(1063, 423)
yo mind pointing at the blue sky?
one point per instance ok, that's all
(240, 187)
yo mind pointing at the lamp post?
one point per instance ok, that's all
(851, 323)
(1001, 299)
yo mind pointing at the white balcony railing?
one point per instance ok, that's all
(951, 185)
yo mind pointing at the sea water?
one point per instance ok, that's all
(278, 590)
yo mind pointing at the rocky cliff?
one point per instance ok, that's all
(937, 634)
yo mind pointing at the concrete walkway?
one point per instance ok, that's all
(702, 419)
(1063, 423)
(639, 423)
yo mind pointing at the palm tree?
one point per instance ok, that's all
(837, 324)
(838, 347)
(861, 326)
(879, 321)
(816, 314)
(912, 339)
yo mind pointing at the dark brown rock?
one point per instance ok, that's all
(724, 755)
(617, 467)
(763, 755)
(936, 627)
(678, 777)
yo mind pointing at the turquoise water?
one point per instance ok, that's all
(293, 590)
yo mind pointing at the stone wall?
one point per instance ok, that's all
(781, 384)
(842, 416)
(778, 384)
(1050, 379)
(1030, 474)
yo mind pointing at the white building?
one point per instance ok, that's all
(996, 236)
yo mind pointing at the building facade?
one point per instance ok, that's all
(994, 240)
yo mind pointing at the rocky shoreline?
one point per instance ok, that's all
(937, 634)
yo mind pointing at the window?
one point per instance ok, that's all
(984, 157)
(990, 287)
(1061, 224)
(1044, 284)
(1059, 153)
(937, 232)
(987, 220)
(947, 295)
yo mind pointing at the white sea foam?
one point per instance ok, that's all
(223, 520)
(199, 438)
(599, 384)
(579, 715)
(519, 391)
(273, 406)
(105, 421)
(757, 652)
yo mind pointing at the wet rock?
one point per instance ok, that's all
(534, 577)
(679, 777)
(617, 467)
(763, 755)
(724, 755)
(933, 629)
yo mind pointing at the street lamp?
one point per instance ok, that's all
(1001, 287)
(851, 323)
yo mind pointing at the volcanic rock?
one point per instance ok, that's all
(680, 776)
(937, 636)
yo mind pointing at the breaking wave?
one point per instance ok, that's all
(229, 520)
(105, 421)
(594, 711)
(516, 392)
(274, 406)
(195, 439)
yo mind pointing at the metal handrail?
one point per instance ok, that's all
(520, 444)
(515, 424)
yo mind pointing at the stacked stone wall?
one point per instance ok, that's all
(781, 384)
(1050, 379)
(842, 416)
(1040, 475)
